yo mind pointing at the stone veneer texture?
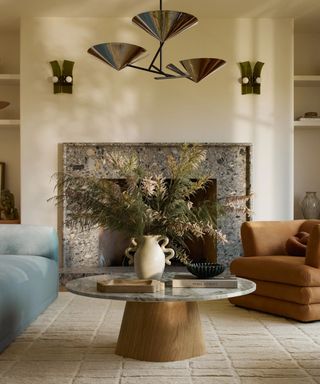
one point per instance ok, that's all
(229, 164)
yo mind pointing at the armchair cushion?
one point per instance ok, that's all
(301, 312)
(286, 292)
(266, 238)
(277, 268)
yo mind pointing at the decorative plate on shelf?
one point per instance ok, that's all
(4, 104)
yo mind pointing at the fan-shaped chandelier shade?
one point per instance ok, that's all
(199, 68)
(117, 55)
(4, 104)
(164, 24)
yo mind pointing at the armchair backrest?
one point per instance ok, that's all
(263, 238)
(308, 225)
(18, 239)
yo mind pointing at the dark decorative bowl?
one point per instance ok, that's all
(205, 270)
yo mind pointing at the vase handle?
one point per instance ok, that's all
(130, 251)
(166, 250)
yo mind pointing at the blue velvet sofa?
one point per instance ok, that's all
(28, 276)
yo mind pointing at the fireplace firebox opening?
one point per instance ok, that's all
(227, 164)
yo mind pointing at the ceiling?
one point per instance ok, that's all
(306, 13)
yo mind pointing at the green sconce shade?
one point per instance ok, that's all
(251, 79)
(62, 77)
(257, 77)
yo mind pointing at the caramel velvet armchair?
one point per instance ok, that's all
(287, 285)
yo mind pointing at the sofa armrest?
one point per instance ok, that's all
(263, 238)
(313, 248)
(18, 239)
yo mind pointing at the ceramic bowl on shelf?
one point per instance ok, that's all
(205, 270)
(4, 104)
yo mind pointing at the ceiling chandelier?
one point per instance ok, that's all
(162, 25)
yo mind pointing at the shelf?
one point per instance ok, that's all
(306, 123)
(9, 122)
(17, 221)
(9, 78)
(307, 80)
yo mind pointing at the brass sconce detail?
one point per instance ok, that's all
(62, 77)
(251, 79)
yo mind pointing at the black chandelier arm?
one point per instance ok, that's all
(156, 55)
(177, 70)
(160, 56)
(142, 69)
(155, 70)
(170, 77)
(161, 44)
(160, 71)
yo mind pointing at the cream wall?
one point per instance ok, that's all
(130, 106)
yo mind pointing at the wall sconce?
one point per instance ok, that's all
(251, 79)
(62, 77)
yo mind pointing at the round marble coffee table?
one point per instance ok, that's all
(161, 326)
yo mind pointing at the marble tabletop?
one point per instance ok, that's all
(87, 286)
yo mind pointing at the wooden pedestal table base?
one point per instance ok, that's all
(160, 326)
(161, 331)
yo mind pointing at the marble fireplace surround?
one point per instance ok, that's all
(228, 163)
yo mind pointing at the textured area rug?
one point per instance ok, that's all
(73, 342)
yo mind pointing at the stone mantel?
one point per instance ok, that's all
(228, 163)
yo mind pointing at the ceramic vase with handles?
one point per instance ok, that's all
(148, 254)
